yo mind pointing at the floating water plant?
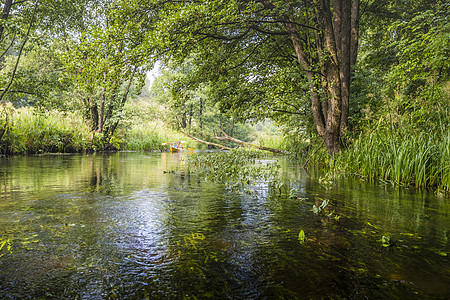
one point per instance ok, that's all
(301, 236)
(5, 244)
(236, 169)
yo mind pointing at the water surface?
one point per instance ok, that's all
(138, 226)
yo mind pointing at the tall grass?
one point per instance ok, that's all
(27, 130)
(148, 136)
(294, 144)
(415, 158)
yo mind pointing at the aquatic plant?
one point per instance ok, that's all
(322, 211)
(386, 240)
(236, 169)
(3, 243)
(301, 236)
(420, 159)
(321, 208)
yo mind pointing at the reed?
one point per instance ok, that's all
(27, 130)
(414, 158)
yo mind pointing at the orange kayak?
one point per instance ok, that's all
(175, 149)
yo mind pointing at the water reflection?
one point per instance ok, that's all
(137, 225)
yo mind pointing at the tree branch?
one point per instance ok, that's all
(289, 112)
(20, 52)
(205, 142)
(229, 138)
(18, 2)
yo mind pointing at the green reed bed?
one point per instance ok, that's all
(412, 158)
(30, 131)
(27, 130)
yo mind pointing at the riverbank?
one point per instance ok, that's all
(30, 131)
(398, 154)
(407, 149)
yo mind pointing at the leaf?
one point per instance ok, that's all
(3, 244)
(386, 241)
(315, 209)
(301, 236)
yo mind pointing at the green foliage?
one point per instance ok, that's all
(301, 236)
(423, 50)
(251, 71)
(29, 131)
(403, 63)
(236, 169)
(190, 106)
(403, 156)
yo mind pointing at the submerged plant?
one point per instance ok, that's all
(386, 240)
(321, 209)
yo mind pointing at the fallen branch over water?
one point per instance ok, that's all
(226, 137)
(205, 142)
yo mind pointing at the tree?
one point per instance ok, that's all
(105, 67)
(189, 108)
(237, 41)
(33, 30)
(404, 61)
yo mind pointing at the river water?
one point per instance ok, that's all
(136, 226)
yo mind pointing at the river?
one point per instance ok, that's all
(137, 226)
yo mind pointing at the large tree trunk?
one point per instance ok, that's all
(337, 43)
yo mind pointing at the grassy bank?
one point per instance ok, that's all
(417, 159)
(30, 131)
(27, 131)
(149, 136)
(409, 148)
